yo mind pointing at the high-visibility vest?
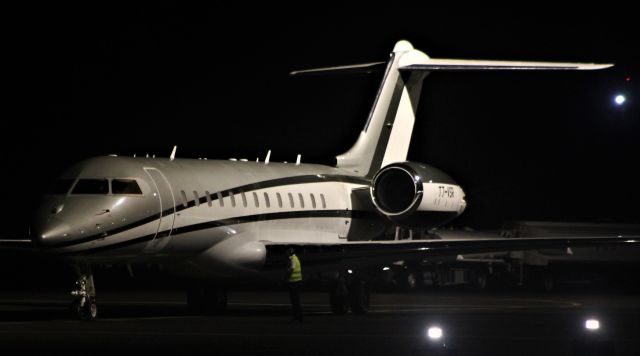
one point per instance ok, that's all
(296, 274)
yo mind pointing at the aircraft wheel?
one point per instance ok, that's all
(481, 279)
(548, 282)
(339, 299)
(359, 297)
(86, 312)
(409, 280)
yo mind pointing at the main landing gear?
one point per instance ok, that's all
(353, 294)
(84, 305)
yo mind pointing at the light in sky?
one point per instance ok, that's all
(619, 99)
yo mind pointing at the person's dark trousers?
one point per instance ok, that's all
(294, 296)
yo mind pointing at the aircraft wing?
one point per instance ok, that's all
(359, 254)
(15, 244)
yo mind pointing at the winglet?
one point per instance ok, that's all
(173, 153)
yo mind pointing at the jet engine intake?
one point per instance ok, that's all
(414, 194)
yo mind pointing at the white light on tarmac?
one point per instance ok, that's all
(619, 99)
(592, 324)
(434, 333)
(385, 268)
(349, 271)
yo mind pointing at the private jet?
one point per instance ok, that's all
(217, 221)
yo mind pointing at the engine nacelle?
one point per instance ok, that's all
(414, 194)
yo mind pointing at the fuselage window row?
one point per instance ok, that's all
(256, 201)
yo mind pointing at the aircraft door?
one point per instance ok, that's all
(166, 208)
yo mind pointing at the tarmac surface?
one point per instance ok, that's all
(258, 322)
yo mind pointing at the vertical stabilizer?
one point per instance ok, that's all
(387, 133)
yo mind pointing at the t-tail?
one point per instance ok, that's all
(386, 135)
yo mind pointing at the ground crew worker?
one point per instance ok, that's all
(294, 272)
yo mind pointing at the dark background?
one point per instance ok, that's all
(87, 81)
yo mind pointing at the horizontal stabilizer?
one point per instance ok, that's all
(353, 68)
(442, 64)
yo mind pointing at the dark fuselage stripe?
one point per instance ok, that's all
(359, 214)
(313, 178)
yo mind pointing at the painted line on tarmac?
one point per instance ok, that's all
(200, 333)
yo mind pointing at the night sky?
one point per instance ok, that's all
(551, 146)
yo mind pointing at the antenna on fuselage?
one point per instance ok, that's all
(173, 153)
(266, 160)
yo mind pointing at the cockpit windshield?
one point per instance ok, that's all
(91, 186)
(125, 186)
(97, 186)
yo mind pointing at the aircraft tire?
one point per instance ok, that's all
(481, 281)
(339, 299)
(359, 297)
(86, 312)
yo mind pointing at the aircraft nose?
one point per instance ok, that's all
(48, 228)
(50, 233)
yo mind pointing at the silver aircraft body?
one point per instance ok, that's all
(231, 219)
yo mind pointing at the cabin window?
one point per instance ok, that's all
(61, 187)
(301, 200)
(91, 186)
(279, 197)
(196, 197)
(233, 199)
(125, 186)
(244, 200)
(206, 192)
(267, 203)
(255, 200)
(291, 200)
(324, 204)
(313, 201)
(220, 199)
(185, 203)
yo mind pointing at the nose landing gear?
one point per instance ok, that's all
(84, 306)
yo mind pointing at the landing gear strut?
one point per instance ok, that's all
(84, 305)
(352, 295)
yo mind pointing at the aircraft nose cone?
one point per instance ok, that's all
(50, 232)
